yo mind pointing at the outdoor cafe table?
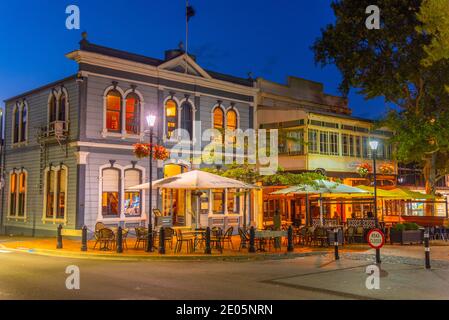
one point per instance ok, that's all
(198, 234)
(264, 235)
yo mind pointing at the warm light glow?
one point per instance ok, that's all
(151, 120)
(374, 144)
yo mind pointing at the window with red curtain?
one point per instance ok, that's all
(114, 111)
(132, 113)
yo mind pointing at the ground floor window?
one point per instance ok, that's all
(233, 201)
(17, 194)
(117, 197)
(218, 202)
(55, 192)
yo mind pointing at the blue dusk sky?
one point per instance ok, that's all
(270, 38)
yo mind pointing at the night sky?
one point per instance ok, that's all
(270, 38)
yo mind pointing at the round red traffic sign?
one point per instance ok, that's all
(375, 238)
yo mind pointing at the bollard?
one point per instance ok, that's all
(378, 261)
(162, 240)
(150, 240)
(252, 237)
(59, 245)
(208, 249)
(337, 256)
(120, 240)
(290, 247)
(84, 239)
(427, 248)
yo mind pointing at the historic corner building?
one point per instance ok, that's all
(68, 149)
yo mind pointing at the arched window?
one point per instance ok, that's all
(231, 124)
(133, 198)
(218, 118)
(23, 128)
(62, 107)
(22, 192)
(187, 118)
(13, 194)
(114, 111)
(171, 117)
(110, 203)
(16, 125)
(132, 113)
(231, 120)
(52, 109)
(56, 192)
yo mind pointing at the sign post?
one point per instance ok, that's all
(376, 240)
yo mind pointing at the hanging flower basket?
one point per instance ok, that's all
(386, 168)
(363, 169)
(142, 150)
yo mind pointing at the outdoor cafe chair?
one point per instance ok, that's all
(227, 238)
(98, 227)
(141, 236)
(169, 234)
(106, 238)
(216, 238)
(244, 238)
(350, 235)
(181, 238)
(359, 234)
(320, 236)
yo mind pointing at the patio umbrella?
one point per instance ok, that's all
(323, 187)
(197, 180)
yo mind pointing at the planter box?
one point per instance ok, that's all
(408, 236)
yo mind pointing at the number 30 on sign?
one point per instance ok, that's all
(376, 238)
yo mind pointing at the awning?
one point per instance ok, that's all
(398, 193)
(323, 188)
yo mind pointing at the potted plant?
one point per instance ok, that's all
(363, 169)
(408, 232)
(386, 168)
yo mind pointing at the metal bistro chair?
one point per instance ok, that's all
(350, 235)
(359, 234)
(320, 236)
(107, 239)
(227, 238)
(169, 234)
(216, 238)
(244, 237)
(141, 236)
(181, 238)
(98, 227)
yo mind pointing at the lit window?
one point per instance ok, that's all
(22, 192)
(233, 201)
(218, 201)
(132, 113)
(110, 195)
(56, 192)
(218, 118)
(333, 139)
(187, 118)
(171, 117)
(114, 111)
(324, 142)
(13, 194)
(231, 124)
(133, 198)
(313, 141)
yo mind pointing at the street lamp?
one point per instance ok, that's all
(374, 144)
(151, 120)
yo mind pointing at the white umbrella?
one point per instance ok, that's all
(197, 180)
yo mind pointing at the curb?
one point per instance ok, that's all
(118, 257)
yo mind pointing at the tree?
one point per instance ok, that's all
(388, 63)
(434, 16)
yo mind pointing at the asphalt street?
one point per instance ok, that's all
(32, 276)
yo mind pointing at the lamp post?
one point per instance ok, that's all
(151, 119)
(374, 144)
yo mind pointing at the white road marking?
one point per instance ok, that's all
(5, 251)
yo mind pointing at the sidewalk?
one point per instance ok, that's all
(72, 248)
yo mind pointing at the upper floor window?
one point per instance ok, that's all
(132, 113)
(171, 117)
(52, 107)
(114, 111)
(218, 118)
(23, 125)
(16, 124)
(187, 118)
(313, 140)
(62, 107)
(17, 194)
(55, 193)
(231, 120)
